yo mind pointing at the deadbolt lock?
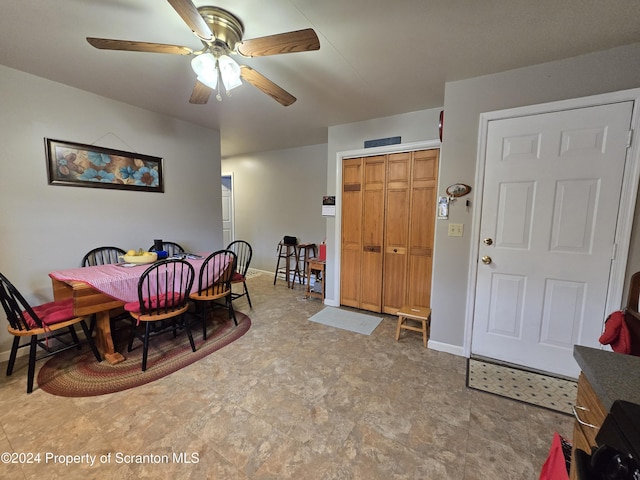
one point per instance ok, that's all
(488, 241)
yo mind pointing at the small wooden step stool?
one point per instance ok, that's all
(317, 268)
(418, 314)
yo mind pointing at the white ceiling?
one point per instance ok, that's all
(377, 58)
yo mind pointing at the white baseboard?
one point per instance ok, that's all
(4, 356)
(447, 348)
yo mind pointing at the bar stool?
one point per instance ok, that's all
(305, 252)
(287, 253)
(418, 314)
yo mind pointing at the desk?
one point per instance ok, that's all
(99, 290)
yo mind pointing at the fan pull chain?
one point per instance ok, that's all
(218, 96)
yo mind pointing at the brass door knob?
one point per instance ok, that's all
(486, 259)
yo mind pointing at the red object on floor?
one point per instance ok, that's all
(555, 466)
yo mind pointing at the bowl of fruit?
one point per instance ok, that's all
(139, 257)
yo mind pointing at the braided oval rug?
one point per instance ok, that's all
(77, 374)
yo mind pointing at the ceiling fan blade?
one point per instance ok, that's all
(108, 44)
(267, 86)
(298, 41)
(200, 94)
(189, 13)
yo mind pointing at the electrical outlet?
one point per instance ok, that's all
(455, 229)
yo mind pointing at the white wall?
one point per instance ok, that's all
(607, 71)
(278, 193)
(49, 227)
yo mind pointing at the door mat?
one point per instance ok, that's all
(347, 320)
(535, 388)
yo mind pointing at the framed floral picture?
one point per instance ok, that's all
(79, 165)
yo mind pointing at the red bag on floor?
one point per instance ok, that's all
(555, 466)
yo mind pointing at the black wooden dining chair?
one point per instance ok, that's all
(102, 256)
(49, 326)
(170, 247)
(163, 296)
(214, 284)
(243, 252)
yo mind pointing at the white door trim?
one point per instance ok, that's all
(361, 152)
(233, 204)
(627, 201)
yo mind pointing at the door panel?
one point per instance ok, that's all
(515, 215)
(372, 233)
(550, 202)
(571, 232)
(396, 231)
(562, 299)
(351, 253)
(419, 279)
(421, 227)
(506, 307)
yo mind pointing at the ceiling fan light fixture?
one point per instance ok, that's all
(205, 68)
(230, 72)
(221, 34)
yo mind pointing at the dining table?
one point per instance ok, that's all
(103, 290)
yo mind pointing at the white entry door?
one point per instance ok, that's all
(227, 210)
(552, 188)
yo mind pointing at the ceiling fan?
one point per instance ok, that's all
(221, 34)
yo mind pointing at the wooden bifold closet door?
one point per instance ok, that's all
(388, 219)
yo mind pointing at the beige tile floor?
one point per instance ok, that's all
(291, 399)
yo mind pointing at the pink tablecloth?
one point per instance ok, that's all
(116, 281)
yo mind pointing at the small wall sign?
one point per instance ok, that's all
(328, 206)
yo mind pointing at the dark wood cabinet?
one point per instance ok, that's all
(590, 413)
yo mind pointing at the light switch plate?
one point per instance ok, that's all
(455, 229)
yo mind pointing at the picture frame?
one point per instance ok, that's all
(79, 165)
